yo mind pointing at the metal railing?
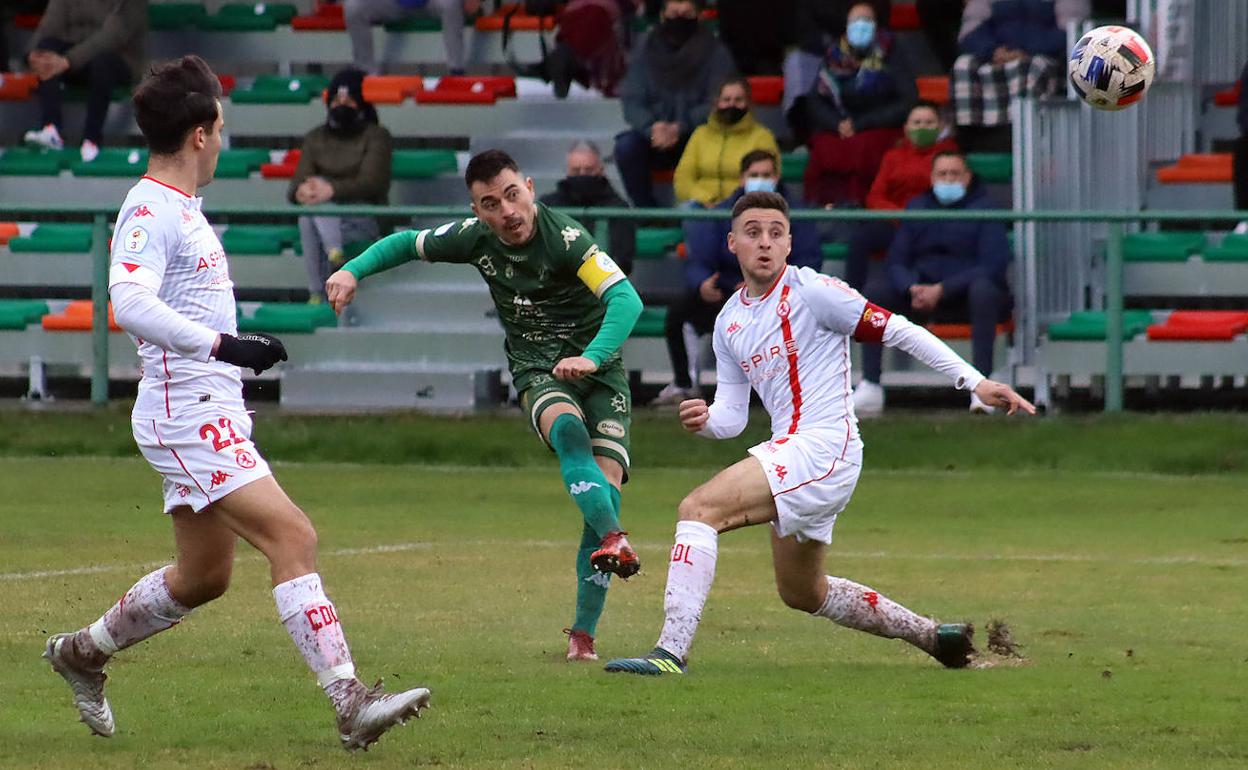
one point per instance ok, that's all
(1026, 263)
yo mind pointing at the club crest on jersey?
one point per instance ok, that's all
(783, 309)
(569, 234)
(875, 317)
(136, 240)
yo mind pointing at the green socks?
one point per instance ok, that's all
(582, 477)
(591, 585)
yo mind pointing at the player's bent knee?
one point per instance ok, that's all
(695, 508)
(799, 598)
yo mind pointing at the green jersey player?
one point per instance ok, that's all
(566, 309)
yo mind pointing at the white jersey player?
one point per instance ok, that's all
(785, 335)
(171, 291)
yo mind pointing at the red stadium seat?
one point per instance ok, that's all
(76, 317)
(283, 170)
(17, 86)
(1201, 325)
(933, 88)
(1198, 168)
(904, 16)
(963, 331)
(8, 231)
(391, 89)
(326, 17)
(227, 83)
(520, 22)
(767, 89)
(26, 20)
(1229, 97)
(501, 85)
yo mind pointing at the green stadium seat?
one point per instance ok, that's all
(793, 166)
(168, 16)
(657, 242)
(113, 161)
(249, 17)
(415, 24)
(288, 318)
(277, 89)
(992, 167)
(238, 164)
(1161, 247)
(16, 314)
(27, 161)
(650, 322)
(1234, 248)
(1090, 325)
(834, 250)
(55, 238)
(422, 164)
(265, 240)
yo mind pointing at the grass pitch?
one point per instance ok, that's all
(1124, 588)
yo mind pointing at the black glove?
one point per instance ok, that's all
(254, 351)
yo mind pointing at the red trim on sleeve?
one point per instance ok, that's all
(872, 323)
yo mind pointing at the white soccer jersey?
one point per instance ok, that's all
(792, 347)
(162, 242)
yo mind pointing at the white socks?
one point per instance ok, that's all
(689, 578)
(857, 606)
(147, 609)
(312, 622)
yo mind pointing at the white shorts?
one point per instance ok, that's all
(203, 453)
(811, 482)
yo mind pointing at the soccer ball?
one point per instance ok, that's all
(1111, 67)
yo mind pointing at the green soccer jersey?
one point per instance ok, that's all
(547, 291)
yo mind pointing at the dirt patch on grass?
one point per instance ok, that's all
(1001, 648)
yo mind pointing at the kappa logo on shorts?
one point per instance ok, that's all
(183, 490)
(218, 478)
(611, 428)
(245, 459)
(780, 471)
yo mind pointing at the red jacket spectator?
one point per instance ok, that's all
(905, 172)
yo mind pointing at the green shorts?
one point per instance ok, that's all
(603, 400)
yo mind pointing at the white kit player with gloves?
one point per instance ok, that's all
(785, 335)
(170, 286)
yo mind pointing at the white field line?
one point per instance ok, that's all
(833, 556)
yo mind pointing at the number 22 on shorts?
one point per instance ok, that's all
(208, 429)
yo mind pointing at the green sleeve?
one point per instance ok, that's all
(391, 251)
(623, 309)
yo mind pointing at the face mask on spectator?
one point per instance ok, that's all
(923, 137)
(679, 30)
(860, 33)
(730, 116)
(949, 193)
(760, 184)
(344, 117)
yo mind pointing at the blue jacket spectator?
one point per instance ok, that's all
(706, 246)
(1025, 25)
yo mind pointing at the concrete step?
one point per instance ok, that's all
(356, 387)
(425, 344)
(385, 304)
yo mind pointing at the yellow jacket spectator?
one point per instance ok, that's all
(710, 167)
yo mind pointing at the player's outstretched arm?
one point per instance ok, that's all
(1000, 395)
(391, 251)
(623, 309)
(340, 289)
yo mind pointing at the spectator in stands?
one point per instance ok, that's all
(95, 42)
(587, 186)
(814, 26)
(1010, 48)
(712, 272)
(947, 270)
(857, 108)
(668, 92)
(1240, 156)
(755, 33)
(905, 172)
(361, 15)
(941, 21)
(344, 160)
(710, 166)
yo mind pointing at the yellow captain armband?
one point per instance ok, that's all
(599, 272)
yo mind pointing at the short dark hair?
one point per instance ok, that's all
(926, 104)
(176, 97)
(736, 80)
(951, 154)
(760, 200)
(484, 166)
(757, 156)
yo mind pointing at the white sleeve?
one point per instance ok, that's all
(731, 409)
(139, 311)
(837, 306)
(146, 235)
(928, 348)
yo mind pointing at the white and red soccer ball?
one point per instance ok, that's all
(1112, 67)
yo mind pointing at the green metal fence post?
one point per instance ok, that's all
(99, 311)
(1113, 313)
